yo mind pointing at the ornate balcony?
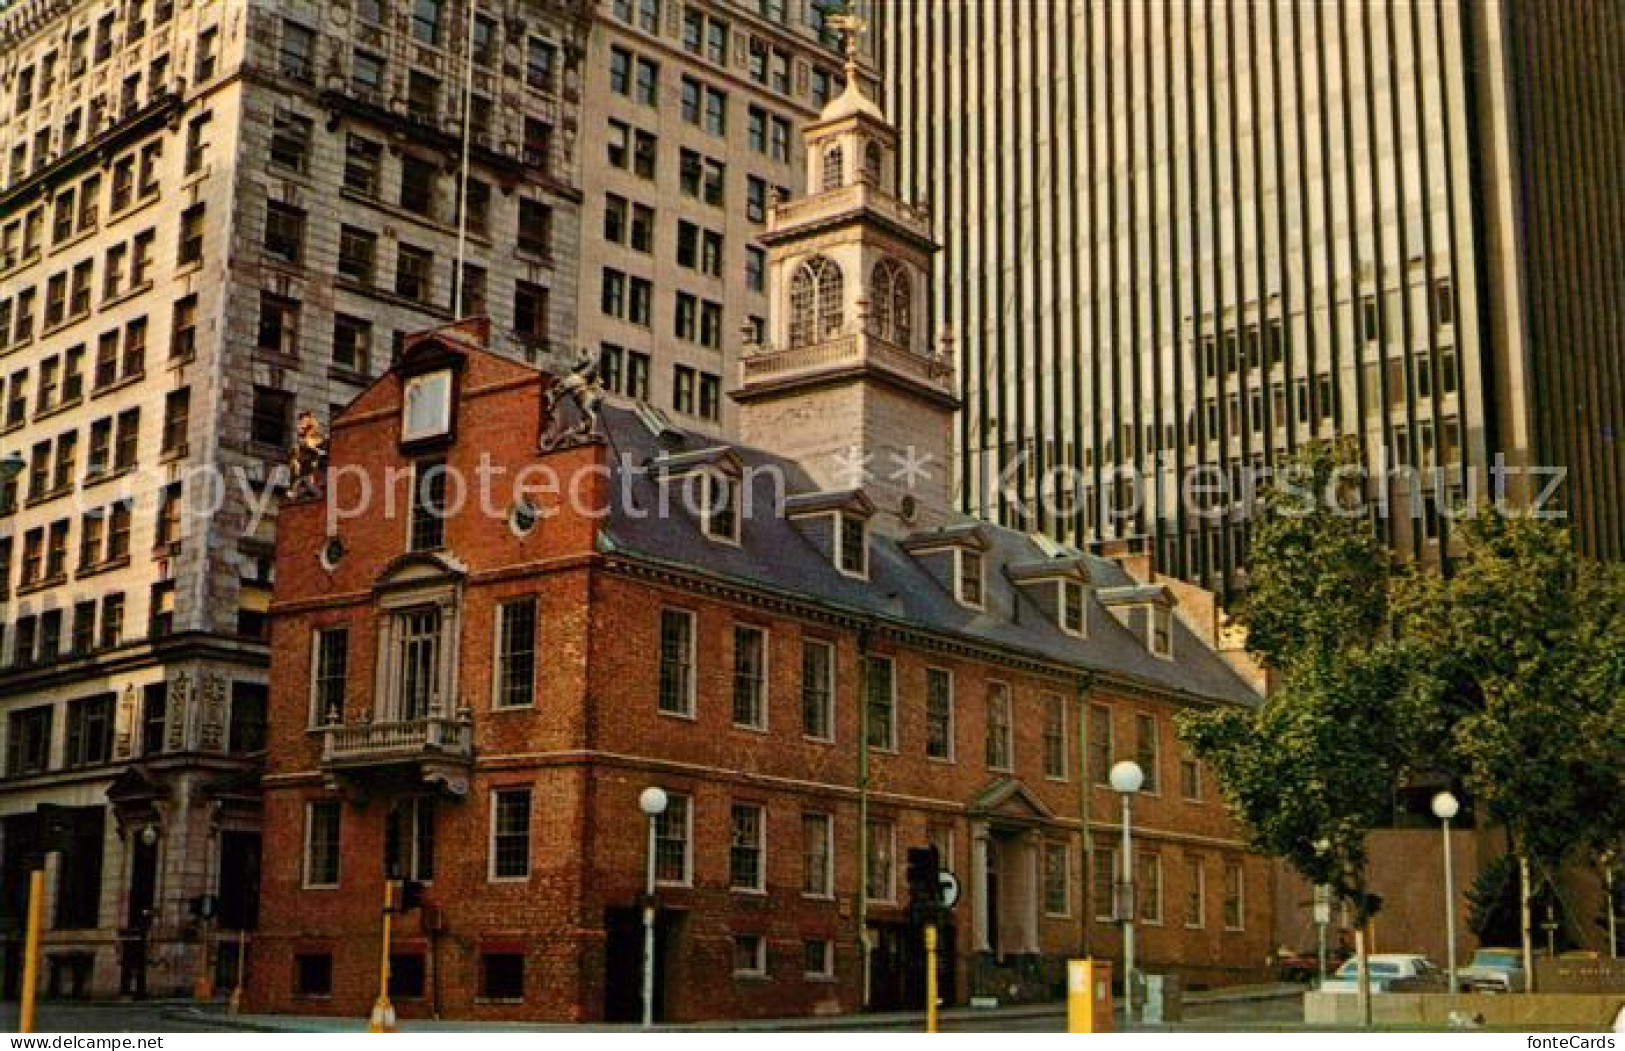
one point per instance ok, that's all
(437, 750)
(843, 201)
(770, 368)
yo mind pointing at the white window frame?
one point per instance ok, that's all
(1065, 850)
(710, 479)
(960, 554)
(1066, 738)
(828, 893)
(953, 705)
(1157, 612)
(1196, 764)
(763, 688)
(760, 886)
(688, 843)
(1197, 864)
(891, 747)
(758, 968)
(1153, 776)
(491, 834)
(841, 518)
(998, 687)
(1105, 859)
(498, 674)
(1143, 882)
(826, 971)
(318, 718)
(1241, 895)
(691, 703)
(427, 382)
(305, 881)
(829, 648)
(890, 896)
(1081, 629)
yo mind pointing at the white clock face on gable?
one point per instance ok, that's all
(426, 407)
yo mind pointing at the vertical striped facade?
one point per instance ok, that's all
(1196, 234)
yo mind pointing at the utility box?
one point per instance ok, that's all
(1089, 996)
(1164, 999)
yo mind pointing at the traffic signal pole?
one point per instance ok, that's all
(931, 978)
(36, 906)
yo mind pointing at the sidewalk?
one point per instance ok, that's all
(214, 1014)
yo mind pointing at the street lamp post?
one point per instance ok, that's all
(652, 802)
(1445, 807)
(1126, 779)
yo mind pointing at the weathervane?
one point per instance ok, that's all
(850, 26)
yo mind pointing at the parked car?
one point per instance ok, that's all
(1493, 971)
(1385, 968)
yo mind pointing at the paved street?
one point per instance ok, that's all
(1272, 1009)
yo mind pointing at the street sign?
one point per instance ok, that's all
(950, 889)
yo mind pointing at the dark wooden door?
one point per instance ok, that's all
(623, 963)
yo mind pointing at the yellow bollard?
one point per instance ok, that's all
(383, 1012)
(930, 978)
(36, 905)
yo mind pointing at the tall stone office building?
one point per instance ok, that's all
(212, 215)
(691, 127)
(1201, 233)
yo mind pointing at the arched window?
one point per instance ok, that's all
(815, 301)
(871, 164)
(890, 301)
(833, 174)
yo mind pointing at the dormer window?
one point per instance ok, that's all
(852, 550)
(833, 166)
(721, 509)
(426, 406)
(1162, 631)
(970, 578)
(1073, 616)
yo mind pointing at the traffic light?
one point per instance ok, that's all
(924, 884)
(411, 896)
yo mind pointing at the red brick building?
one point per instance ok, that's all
(473, 680)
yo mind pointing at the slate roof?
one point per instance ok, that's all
(775, 555)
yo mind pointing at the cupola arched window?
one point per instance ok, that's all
(890, 302)
(833, 166)
(815, 301)
(871, 164)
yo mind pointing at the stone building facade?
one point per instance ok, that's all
(509, 611)
(691, 124)
(211, 213)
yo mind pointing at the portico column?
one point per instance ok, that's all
(978, 876)
(1034, 842)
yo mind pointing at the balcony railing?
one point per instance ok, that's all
(843, 199)
(377, 744)
(847, 350)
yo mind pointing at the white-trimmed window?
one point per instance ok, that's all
(329, 671)
(1190, 778)
(750, 955)
(968, 578)
(1148, 884)
(852, 545)
(409, 839)
(1074, 615)
(1147, 751)
(677, 662)
(880, 714)
(818, 689)
(816, 301)
(1235, 896)
(1195, 892)
(998, 727)
(880, 864)
(721, 518)
(674, 859)
(510, 834)
(817, 855)
(515, 679)
(750, 677)
(1100, 744)
(939, 713)
(1057, 879)
(819, 956)
(323, 818)
(1055, 736)
(747, 848)
(1162, 631)
(1104, 890)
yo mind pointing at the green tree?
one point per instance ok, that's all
(1314, 768)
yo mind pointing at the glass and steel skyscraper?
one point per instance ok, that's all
(1193, 235)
